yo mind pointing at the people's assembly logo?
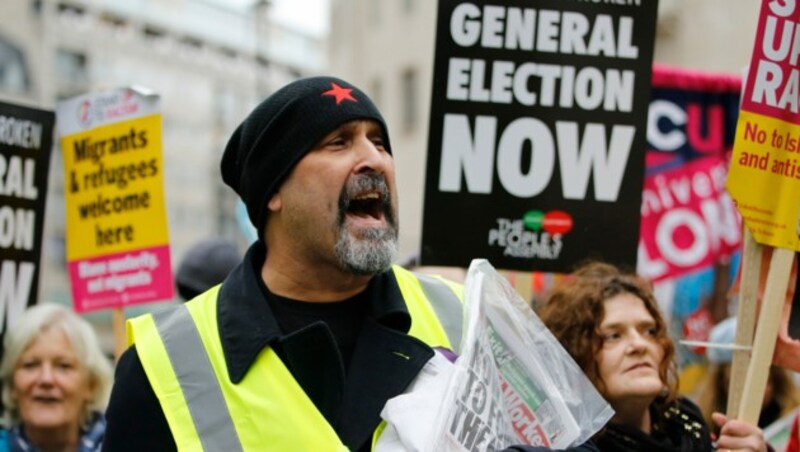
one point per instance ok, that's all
(536, 235)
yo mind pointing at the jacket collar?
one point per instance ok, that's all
(247, 324)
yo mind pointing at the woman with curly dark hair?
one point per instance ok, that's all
(610, 323)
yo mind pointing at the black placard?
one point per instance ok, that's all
(537, 133)
(26, 138)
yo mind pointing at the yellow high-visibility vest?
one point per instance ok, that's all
(181, 353)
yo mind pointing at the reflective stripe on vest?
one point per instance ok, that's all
(197, 380)
(268, 407)
(447, 305)
(217, 411)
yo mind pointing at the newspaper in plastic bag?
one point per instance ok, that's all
(512, 384)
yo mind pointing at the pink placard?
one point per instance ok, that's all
(688, 219)
(771, 87)
(122, 279)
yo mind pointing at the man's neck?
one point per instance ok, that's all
(315, 283)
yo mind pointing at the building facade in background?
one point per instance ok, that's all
(209, 62)
(386, 48)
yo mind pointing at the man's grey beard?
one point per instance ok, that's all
(373, 250)
(369, 254)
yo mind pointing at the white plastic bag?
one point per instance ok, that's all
(411, 417)
(512, 384)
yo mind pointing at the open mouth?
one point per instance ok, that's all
(366, 206)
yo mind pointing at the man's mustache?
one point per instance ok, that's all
(363, 183)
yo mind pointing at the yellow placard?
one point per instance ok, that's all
(114, 188)
(764, 179)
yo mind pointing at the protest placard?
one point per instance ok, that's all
(764, 180)
(689, 221)
(765, 166)
(536, 144)
(26, 138)
(117, 239)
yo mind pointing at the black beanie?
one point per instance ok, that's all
(282, 129)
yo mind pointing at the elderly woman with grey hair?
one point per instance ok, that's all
(56, 382)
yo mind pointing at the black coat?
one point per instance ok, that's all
(351, 401)
(678, 428)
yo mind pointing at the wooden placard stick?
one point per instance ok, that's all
(769, 319)
(745, 318)
(118, 318)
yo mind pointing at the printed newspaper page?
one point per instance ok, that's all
(513, 381)
(512, 384)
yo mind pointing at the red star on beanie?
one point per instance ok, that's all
(339, 93)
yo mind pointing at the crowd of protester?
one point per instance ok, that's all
(300, 347)
(56, 379)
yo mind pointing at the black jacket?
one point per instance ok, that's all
(677, 428)
(351, 404)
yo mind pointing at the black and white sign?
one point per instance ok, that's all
(537, 135)
(26, 137)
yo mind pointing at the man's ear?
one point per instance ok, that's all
(275, 203)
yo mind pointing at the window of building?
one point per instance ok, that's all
(374, 11)
(74, 16)
(72, 72)
(118, 26)
(70, 8)
(376, 92)
(410, 91)
(36, 7)
(14, 74)
(158, 39)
